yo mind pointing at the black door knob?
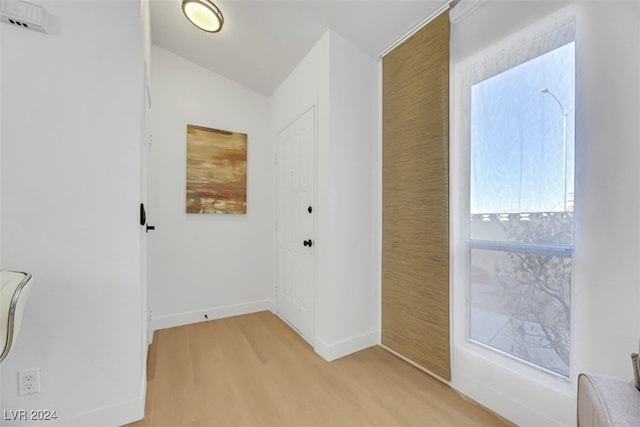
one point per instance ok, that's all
(150, 227)
(307, 243)
(309, 209)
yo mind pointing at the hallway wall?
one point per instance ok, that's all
(70, 174)
(206, 264)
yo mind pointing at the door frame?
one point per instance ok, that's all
(314, 254)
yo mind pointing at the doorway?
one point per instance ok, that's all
(296, 183)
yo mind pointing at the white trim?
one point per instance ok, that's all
(415, 29)
(515, 390)
(379, 206)
(180, 319)
(459, 178)
(107, 416)
(453, 208)
(330, 352)
(295, 119)
(316, 206)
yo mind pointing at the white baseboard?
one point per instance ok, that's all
(108, 416)
(345, 347)
(172, 320)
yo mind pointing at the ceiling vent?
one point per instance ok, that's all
(23, 14)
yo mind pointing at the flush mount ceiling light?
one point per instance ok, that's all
(203, 14)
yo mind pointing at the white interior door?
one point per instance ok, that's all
(295, 228)
(144, 232)
(144, 223)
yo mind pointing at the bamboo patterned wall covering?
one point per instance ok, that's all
(415, 235)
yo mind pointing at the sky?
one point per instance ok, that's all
(517, 137)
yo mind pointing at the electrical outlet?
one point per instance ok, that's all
(28, 381)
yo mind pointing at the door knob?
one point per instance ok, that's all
(307, 243)
(150, 227)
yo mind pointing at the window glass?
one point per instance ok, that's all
(521, 210)
(521, 156)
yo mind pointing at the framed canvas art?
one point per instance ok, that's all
(216, 171)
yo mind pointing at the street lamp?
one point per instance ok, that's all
(564, 146)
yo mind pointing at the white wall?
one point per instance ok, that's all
(605, 269)
(145, 15)
(1, 115)
(222, 265)
(71, 130)
(607, 278)
(340, 81)
(218, 265)
(308, 86)
(349, 316)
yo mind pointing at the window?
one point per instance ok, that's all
(520, 202)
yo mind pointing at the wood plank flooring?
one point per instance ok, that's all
(253, 370)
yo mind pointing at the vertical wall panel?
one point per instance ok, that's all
(415, 240)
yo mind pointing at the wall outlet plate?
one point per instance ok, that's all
(28, 381)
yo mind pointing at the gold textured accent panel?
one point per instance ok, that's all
(415, 225)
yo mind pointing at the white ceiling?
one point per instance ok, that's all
(262, 41)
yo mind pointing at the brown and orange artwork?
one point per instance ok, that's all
(216, 171)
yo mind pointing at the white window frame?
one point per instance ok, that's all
(467, 354)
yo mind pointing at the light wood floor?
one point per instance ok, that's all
(255, 370)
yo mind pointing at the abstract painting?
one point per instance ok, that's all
(216, 171)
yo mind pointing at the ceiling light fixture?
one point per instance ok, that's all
(203, 14)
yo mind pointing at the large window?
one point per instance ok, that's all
(521, 205)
